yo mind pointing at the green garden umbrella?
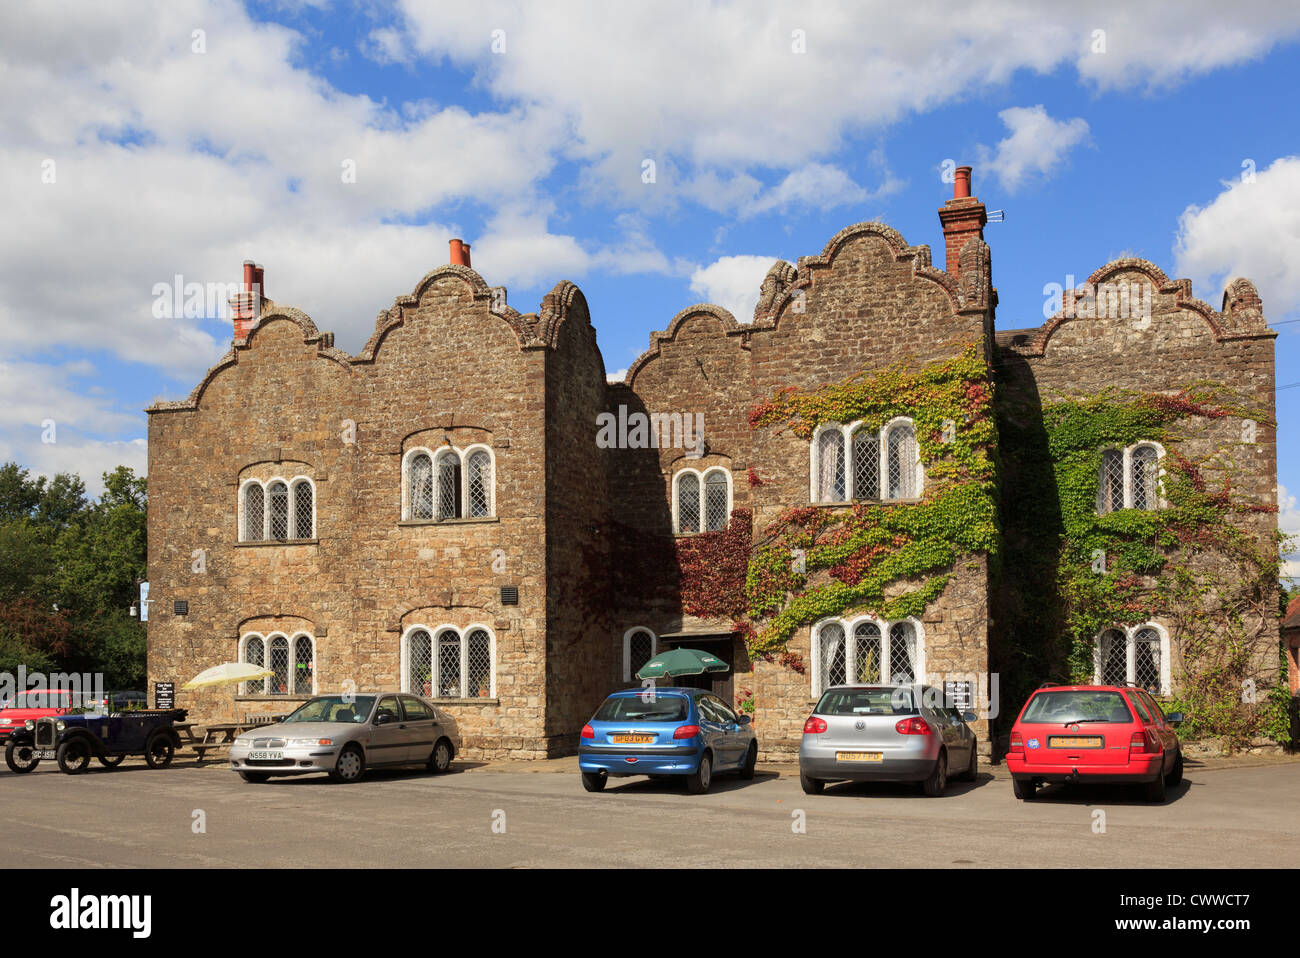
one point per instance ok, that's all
(681, 662)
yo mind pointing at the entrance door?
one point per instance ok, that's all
(720, 684)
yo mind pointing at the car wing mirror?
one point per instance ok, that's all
(1174, 718)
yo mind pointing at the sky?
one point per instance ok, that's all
(658, 155)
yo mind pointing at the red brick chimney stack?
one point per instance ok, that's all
(962, 217)
(459, 253)
(244, 306)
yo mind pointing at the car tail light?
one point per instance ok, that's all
(913, 726)
(1140, 741)
(814, 726)
(686, 731)
(1017, 746)
(588, 732)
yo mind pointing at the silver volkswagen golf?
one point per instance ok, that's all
(343, 735)
(882, 733)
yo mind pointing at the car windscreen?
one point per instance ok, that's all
(40, 700)
(1067, 707)
(866, 702)
(334, 708)
(642, 708)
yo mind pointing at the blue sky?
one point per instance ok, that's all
(146, 141)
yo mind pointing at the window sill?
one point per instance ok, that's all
(277, 542)
(447, 522)
(274, 698)
(484, 700)
(867, 502)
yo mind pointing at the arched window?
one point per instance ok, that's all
(902, 460)
(304, 515)
(254, 653)
(448, 489)
(1136, 654)
(1145, 472)
(688, 502)
(277, 494)
(866, 464)
(252, 529)
(479, 468)
(639, 646)
(448, 662)
(279, 664)
(1110, 493)
(420, 487)
(866, 651)
(830, 466)
(304, 665)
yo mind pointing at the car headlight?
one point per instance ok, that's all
(5, 721)
(309, 742)
(29, 725)
(60, 725)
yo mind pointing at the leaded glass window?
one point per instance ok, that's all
(254, 512)
(866, 465)
(479, 468)
(420, 487)
(278, 494)
(715, 500)
(901, 459)
(830, 466)
(303, 514)
(688, 502)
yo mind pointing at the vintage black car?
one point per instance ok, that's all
(72, 740)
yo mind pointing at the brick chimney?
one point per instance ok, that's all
(459, 253)
(962, 217)
(247, 304)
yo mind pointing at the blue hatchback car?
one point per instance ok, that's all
(666, 731)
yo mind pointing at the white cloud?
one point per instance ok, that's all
(733, 283)
(1250, 229)
(1036, 145)
(617, 376)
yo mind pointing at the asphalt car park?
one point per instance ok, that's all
(515, 814)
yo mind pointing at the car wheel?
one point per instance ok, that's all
(1023, 788)
(350, 766)
(73, 756)
(938, 780)
(1155, 791)
(255, 777)
(594, 781)
(440, 757)
(811, 786)
(1175, 776)
(751, 760)
(110, 761)
(158, 751)
(697, 783)
(20, 758)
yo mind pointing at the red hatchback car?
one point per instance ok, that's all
(34, 704)
(1094, 734)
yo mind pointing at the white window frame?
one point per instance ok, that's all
(627, 649)
(847, 432)
(292, 639)
(850, 649)
(266, 508)
(1130, 653)
(1127, 453)
(701, 476)
(434, 456)
(462, 638)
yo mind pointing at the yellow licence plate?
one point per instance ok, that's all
(1074, 741)
(632, 739)
(859, 756)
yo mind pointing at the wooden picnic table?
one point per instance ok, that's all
(217, 737)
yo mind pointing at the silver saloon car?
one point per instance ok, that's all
(880, 733)
(343, 735)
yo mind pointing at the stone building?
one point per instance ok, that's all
(467, 509)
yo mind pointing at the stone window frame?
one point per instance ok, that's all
(628, 674)
(291, 637)
(849, 625)
(1129, 633)
(847, 432)
(292, 519)
(463, 455)
(701, 475)
(436, 632)
(1127, 457)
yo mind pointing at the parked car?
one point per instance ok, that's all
(344, 735)
(33, 705)
(680, 732)
(121, 701)
(886, 733)
(1094, 734)
(73, 739)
